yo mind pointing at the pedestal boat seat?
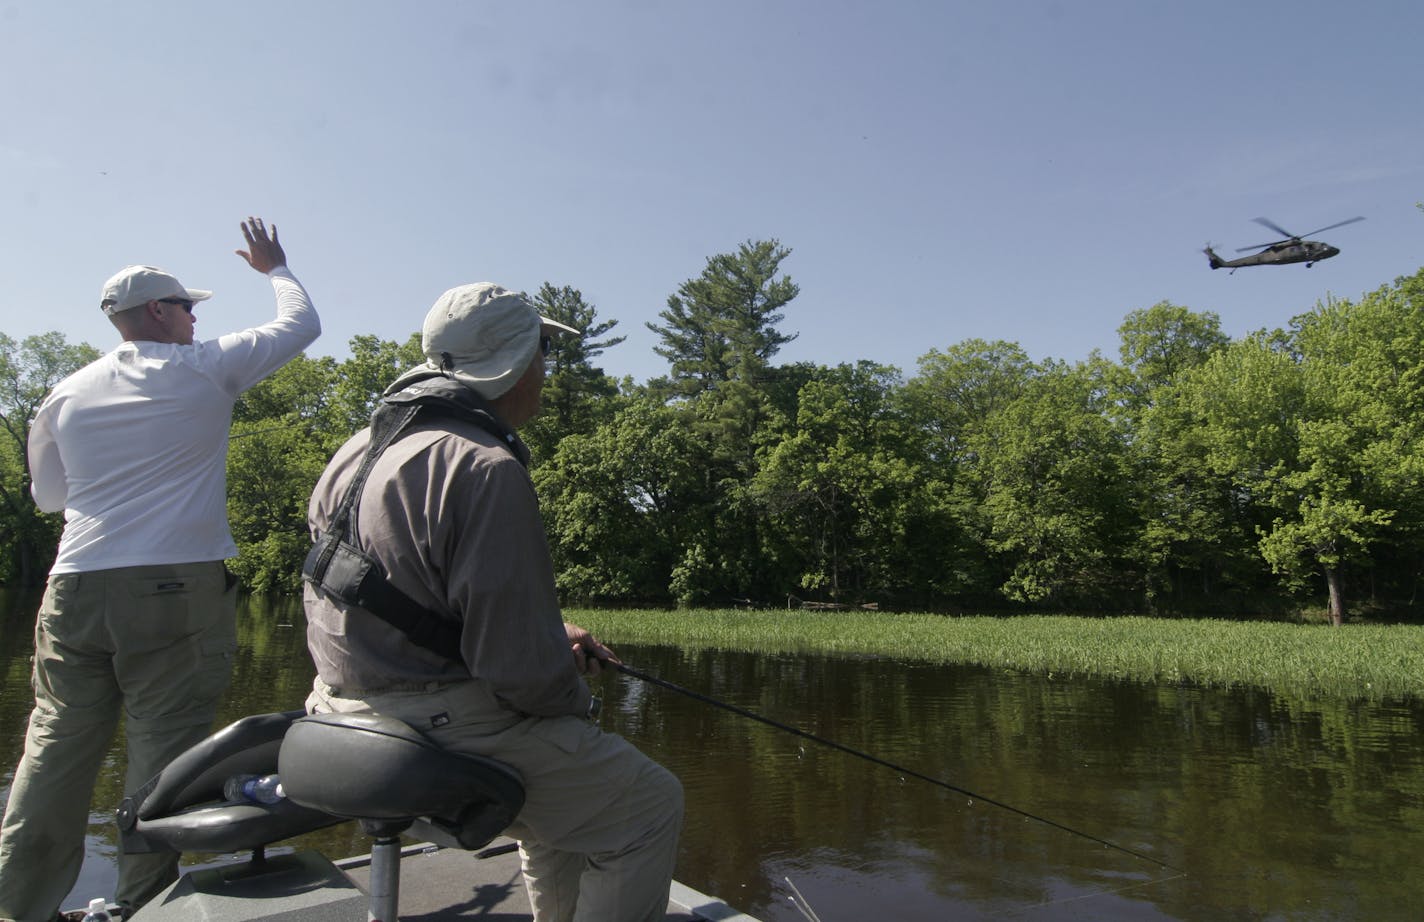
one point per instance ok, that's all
(181, 809)
(392, 779)
(334, 768)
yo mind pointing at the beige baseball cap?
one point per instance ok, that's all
(135, 285)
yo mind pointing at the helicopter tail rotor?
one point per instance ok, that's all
(1216, 261)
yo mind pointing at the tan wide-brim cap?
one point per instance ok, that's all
(483, 334)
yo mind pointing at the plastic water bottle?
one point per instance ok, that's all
(257, 789)
(98, 911)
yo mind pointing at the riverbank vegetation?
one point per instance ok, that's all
(1368, 662)
(1192, 475)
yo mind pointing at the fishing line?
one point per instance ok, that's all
(743, 712)
(802, 905)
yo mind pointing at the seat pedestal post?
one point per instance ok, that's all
(384, 885)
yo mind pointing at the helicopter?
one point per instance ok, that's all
(1292, 249)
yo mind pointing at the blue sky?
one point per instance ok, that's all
(1026, 171)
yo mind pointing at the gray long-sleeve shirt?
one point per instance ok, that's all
(452, 518)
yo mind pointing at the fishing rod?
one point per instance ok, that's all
(751, 715)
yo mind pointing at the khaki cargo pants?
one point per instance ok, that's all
(598, 832)
(156, 641)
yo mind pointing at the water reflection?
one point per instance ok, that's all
(1275, 808)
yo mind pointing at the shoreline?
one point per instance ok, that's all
(1350, 663)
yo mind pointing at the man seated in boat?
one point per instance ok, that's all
(482, 661)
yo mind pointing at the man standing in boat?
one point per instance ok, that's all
(483, 662)
(139, 610)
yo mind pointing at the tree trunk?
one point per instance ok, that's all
(29, 558)
(1337, 597)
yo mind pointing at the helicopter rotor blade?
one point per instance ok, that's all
(1262, 246)
(1333, 226)
(1265, 222)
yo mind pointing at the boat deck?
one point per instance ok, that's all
(441, 883)
(436, 885)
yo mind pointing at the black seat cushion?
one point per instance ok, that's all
(181, 808)
(371, 767)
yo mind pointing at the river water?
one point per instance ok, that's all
(1058, 798)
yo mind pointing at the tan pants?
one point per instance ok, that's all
(156, 640)
(598, 832)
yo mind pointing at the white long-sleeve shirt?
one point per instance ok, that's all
(133, 446)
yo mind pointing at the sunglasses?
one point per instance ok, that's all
(545, 344)
(186, 305)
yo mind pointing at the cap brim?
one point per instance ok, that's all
(558, 327)
(197, 294)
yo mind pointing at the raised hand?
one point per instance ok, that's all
(264, 253)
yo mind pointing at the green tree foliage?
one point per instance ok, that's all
(951, 405)
(1194, 474)
(959, 390)
(577, 394)
(722, 324)
(284, 431)
(1054, 473)
(28, 370)
(719, 335)
(1316, 431)
(1357, 478)
(287, 427)
(840, 492)
(373, 365)
(1192, 548)
(1249, 402)
(616, 503)
(1162, 342)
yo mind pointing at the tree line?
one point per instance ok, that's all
(1193, 474)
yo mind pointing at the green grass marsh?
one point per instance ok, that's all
(1371, 662)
